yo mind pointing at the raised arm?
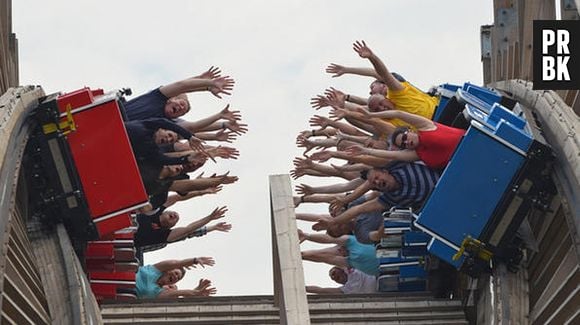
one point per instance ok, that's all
(323, 290)
(338, 70)
(312, 217)
(383, 73)
(306, 163)
(367, 160)
(304, 189)
(174, 198)
(203, 289)
(324, 122)
(352, 138)
(339, 203)
(200, 125)
(234, 126)
(348, 215)
(314, 198)
(169, 265)
(217, 86)
(177, 234)
(221, 135)
(356, 100)
(201, 183)
(417, 121)
(387, 155)
(321, 238)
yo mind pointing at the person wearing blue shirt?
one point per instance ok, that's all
(348, 252)
(155, 281)
(170, 101)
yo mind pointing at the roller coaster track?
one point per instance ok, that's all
(16, 103)
(35, 265)
(561, 127)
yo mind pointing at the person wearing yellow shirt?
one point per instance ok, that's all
(389, 90)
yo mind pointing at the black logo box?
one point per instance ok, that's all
(573, 65)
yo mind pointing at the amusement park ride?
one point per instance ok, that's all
(512, 164)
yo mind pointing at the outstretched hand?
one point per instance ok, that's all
(304, 189)
(218, 213)
(337, 205)
(231, 116)
(321, 156)
(238, 128)
(297, 173)
(336, 98)
(225, 179)
(320, 121)
(221, 226)
(301, 163)
(221, 85)
(362, 49)
(204, 289)
(213, 190)
(336, 70)
(338, 113)
(211, 73)
(225, 152)
(323, 223)
(302, 141)
(196, 144)
(203, 261)
(355, 150)
(225, 136)
(319, 102)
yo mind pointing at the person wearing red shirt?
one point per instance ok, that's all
(432, 143)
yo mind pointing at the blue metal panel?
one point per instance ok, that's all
(445, 253)
(475, 114)
(443, 100)
(416, 237)
(386, 261)
(470, 188)
(414, 251)
(451, 87)
(516, 137)
(412, 271)
(397, 224)
(473, 100)
(499, 113)
(485, 94)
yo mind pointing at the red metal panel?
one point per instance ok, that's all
(78, 98)
(112, 276)
(104, 291)
(103, 157)
(110, 225)
(96, 250)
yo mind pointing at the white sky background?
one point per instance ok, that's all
(277, 52)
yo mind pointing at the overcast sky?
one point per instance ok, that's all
(277, 52)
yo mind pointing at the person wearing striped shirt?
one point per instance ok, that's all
(401, 185)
